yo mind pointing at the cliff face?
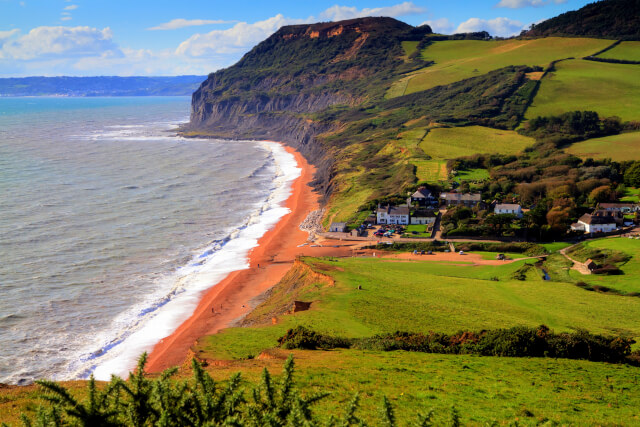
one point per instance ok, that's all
(277, 89)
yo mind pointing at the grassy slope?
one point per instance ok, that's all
(450, 297)
(449, 143)
(443, 297)
(622, 147)
(629, 51)
(609, 89)
(461, 59)
(483, 389)
(628, 282)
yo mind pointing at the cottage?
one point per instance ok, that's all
(393, 215)
(423, 216)
(423, 197)
(617, 207)
(467, 199)
(595, 223)
(508, 208)
(338, 227)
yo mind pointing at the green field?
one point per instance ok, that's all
(445, 297)
(431, 171)
(472, 175)
(625, 146)
(629, 51)
(631, 195)
(608, 89)
(449, 143)
(462, 59)
(627, 282)
(409, 47)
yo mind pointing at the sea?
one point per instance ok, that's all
(112, 227)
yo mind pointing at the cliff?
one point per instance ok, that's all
(276, 90)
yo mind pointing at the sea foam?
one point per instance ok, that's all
(140, 328)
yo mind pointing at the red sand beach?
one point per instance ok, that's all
(269, 261)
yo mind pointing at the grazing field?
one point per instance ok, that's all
(472, 175)
(631, 195)
(608, 89)
(629, 51)
(461, 59)
(409, 47)
(449, 143)
(431, 171)
(625, 146)
(627, 282)
(439, 296)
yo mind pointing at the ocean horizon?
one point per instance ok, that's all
(112, 227)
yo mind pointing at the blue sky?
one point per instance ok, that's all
(159, 37)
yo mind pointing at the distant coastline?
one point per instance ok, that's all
(64, 86)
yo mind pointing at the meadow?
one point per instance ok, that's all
(608, 89)
(449, 143)
(461, 59)
(621, 147)
(627, 282)
(629, 51)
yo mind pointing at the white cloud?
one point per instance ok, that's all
(4, 35)
(66, 18)
(503, 27)
(235, 39)
(441, 25)
(518, 4)
(71, 7)
(175, 24)
(339, 13)
(60, 41)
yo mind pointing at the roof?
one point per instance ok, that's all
(594, 219)
(394, 210)
(471, 197)
(615, 205)
(422, 193)
(338, 224)
(508, 206)
(424, 213)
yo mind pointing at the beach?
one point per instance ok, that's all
(230, 299)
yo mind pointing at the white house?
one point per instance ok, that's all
(338, 227)
(393, 215)
(595, 224)
(423, 216)
(508, 208)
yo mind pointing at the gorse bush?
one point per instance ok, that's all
(518, 341)
(200, 401)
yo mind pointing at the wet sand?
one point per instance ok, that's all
(229, 300)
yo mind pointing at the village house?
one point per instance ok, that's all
(423, 216)
(338, 227)
(597, 222)
(466, 199)
(508, 208)
(423, 197)
(393, 215)
(617, 207)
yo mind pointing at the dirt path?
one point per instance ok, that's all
(578, 266)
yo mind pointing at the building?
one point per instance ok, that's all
(423, 197)
(338, 227)
(595, 223)
(393, 215)
(508, 208)
(423, 216)
(617, 207)
(466, 199)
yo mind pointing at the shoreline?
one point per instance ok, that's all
(230, 299)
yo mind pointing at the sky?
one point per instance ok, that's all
(168, 37)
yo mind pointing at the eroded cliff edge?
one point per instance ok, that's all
(288, 87)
